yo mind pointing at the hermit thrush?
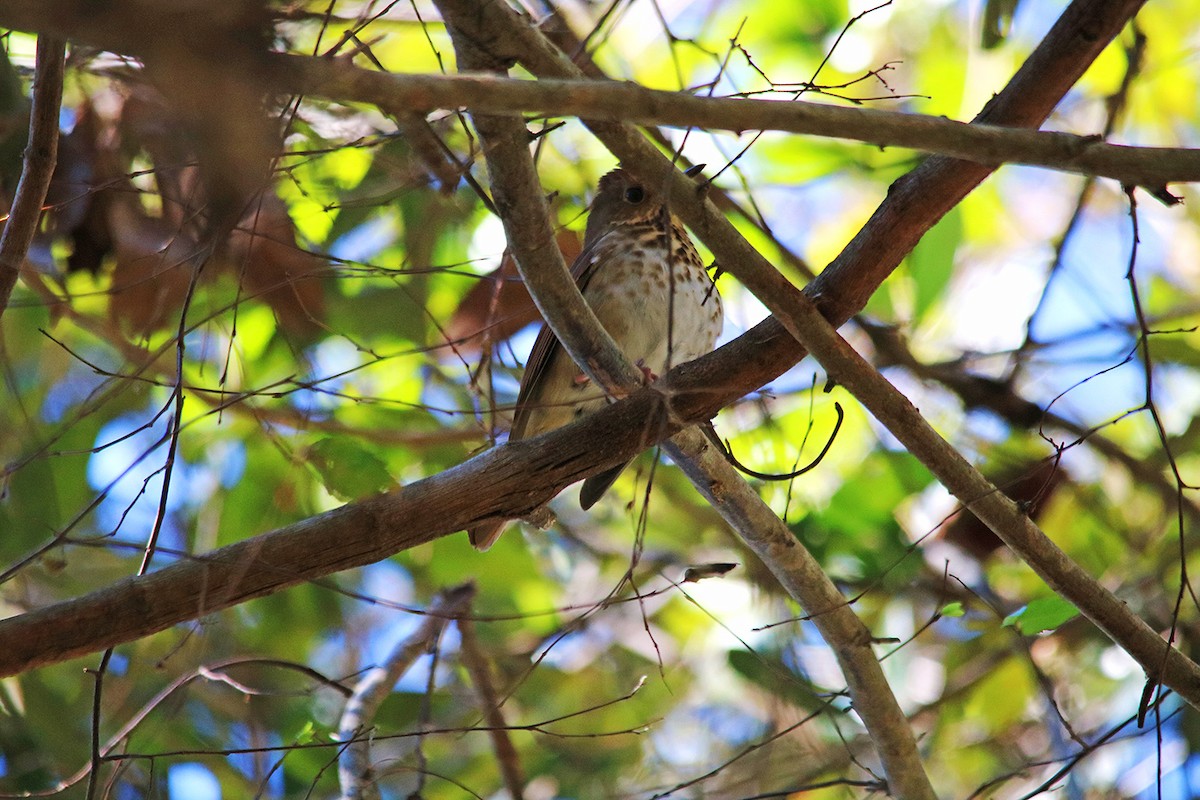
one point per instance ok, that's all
(641, 275)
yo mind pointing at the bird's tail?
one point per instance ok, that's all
(483, 536)
(595, 486)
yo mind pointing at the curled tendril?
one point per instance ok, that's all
(727, 450)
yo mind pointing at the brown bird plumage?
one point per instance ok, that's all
(641, 275)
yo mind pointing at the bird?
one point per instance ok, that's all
(641, 275)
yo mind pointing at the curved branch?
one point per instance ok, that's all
(355, 774)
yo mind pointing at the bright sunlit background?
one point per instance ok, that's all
(622, 682)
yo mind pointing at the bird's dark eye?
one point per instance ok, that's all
(635, 195)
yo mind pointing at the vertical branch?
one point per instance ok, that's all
(41, 154)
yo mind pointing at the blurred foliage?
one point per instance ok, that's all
(333, 346)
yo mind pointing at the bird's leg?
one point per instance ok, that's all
(648, 375)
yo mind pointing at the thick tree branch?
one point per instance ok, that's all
(519, 197)
(41, 154)
(628, 102)
(1162, 663)
(508, 481)
(402, 95)
(527, 473)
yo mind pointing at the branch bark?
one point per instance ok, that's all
(41, 155)
(519, 197)
(990, 145)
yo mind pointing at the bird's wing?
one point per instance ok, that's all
(546, 347)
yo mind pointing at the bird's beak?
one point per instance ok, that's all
(694, 170)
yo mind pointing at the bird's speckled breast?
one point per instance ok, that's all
(660, 311)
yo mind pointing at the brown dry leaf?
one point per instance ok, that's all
(220, 104)
(271, 266)
(154, 265)
(1030, 485)
(499, 305)
(78, 199)
(96, 208)
(148, 123)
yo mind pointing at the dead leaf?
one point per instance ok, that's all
(154, 265)
(499, 305)
(266, 259)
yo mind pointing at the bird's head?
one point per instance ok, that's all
(622, 199)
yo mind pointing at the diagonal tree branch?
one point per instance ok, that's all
(371, 530)
(516, 191)
(995, 509)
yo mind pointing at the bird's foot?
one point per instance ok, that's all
(648, 376)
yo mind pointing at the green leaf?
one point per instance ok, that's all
(1041, 615)
(952, 610)
(768, 672)
(348, 470)
(997, 22)
(931, 264)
